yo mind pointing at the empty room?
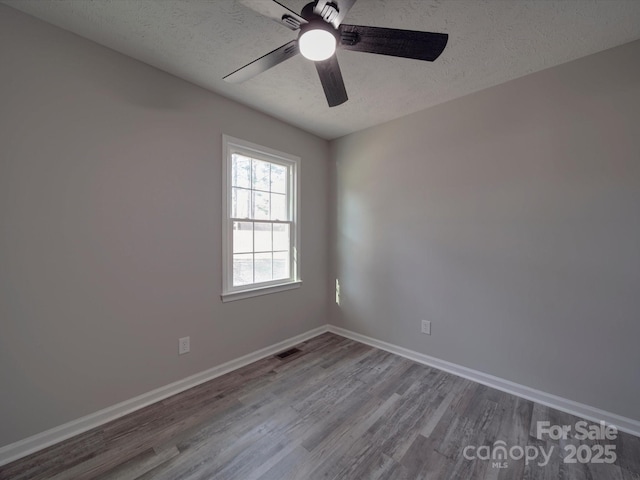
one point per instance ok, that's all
(282, 240)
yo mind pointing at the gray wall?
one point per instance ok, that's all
(510, 218)
(110, 229)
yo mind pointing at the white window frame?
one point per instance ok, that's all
(231, 145)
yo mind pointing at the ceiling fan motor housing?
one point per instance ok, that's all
(328, 14)
(316, 21)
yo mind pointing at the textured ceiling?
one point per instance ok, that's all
(490, 42)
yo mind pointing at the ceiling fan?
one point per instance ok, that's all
(322, 31)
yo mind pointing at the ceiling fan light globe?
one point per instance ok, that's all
(317, 44)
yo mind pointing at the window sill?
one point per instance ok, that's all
(255, 292)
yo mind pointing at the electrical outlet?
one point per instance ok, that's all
(184, 345)
(426, 327)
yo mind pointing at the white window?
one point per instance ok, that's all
(260, 220)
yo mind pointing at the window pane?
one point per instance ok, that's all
(278, 178)
(263, 267)
(240, 171)
(261, 175)
(242, 269)
(279, 207)
(281, 265)
(261, 205)
(263, 237)
(281, 237)
(240, 203)
(242, 237)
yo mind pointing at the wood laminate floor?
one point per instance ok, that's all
(335, 410)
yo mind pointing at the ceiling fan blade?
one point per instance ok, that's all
(391, 41)
(264, 63)
(331, 79)
(328, 14)
(276, 11)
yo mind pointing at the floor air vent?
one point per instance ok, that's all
(286, 353)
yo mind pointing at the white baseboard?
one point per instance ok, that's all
(587, 412)
(32, 444)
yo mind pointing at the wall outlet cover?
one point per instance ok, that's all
(426, 327)
(184, 345)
